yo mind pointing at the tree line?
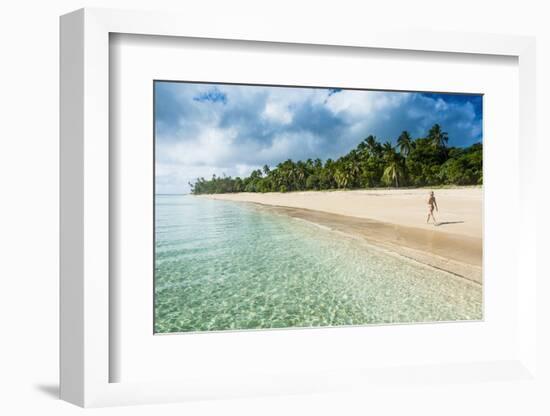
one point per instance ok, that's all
(426, 161)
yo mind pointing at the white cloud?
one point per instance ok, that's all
(353, 104)
(277, 112)
(211, 146)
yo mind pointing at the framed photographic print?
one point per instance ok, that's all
(270, 214)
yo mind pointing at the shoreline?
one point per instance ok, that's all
(456, 250)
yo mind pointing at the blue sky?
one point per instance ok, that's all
(205, 129)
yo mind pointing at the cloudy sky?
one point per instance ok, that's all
(202, 129)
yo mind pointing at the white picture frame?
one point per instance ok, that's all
(85, 210)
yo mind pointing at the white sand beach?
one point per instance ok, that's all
(460, 209)
(395, 219)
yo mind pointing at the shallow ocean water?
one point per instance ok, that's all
(223, 265)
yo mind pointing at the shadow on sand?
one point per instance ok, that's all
(448, 222)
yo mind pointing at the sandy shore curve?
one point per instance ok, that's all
(394, 219)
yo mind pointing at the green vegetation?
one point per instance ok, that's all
(422, 162)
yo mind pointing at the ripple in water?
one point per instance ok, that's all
(225, 265)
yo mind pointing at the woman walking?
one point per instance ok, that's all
(432, 203)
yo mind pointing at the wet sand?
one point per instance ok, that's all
(394, 220)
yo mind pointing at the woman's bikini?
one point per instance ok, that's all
(431, 204)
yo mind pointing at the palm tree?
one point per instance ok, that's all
(266, 170)
(438, 137)
(395, 170)
(256, 174)
(300, 174)
(278, 180)
(371, 144)
(352, 169)
(318, 164)
(404, 141)
(342, 177)
(388, 149)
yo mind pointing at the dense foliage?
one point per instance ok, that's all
(422, 162)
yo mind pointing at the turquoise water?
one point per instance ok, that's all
(223, 265)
